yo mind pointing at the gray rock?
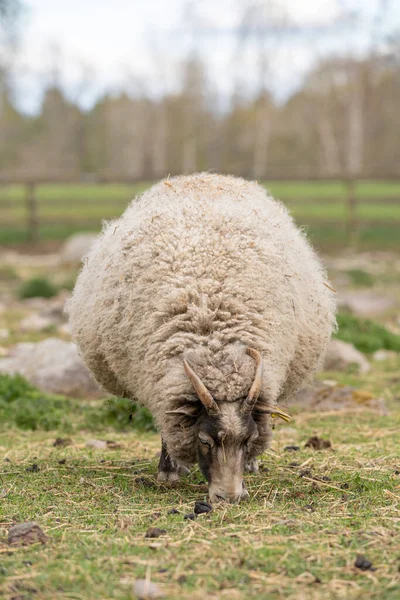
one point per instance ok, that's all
(145, 590)
(341, 356)
(319, 397)
(36, 322)
(366, 303)
(381, 355)
(98, 444)
(53, 366)
(76, 247)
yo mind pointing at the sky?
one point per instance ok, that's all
(98, 45)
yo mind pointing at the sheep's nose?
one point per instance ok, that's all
(231, 497)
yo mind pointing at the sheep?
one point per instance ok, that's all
(207, 305)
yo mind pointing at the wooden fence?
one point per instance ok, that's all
(31, 207)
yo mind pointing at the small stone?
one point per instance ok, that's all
(189, 517)
(155, 532)
(381, 355)
(173, 511)
(363, 563)
(318, 443)
(201, 508)
(145, 482)
(341, 356)
(98, 444)
(33, 468)
(103, 444)
(62, 442)
(146, 590)
(36, 322)
(27, 533)
(53, 366)
(291, 448)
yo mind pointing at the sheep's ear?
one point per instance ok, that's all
(189, 410)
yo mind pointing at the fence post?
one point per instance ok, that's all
(351, 201)
(31, 213)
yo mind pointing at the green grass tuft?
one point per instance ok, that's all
(37, 287)
(25, 407)
(365, 334)
(360, 278)
(122, 413)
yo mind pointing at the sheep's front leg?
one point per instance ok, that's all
(168, 470)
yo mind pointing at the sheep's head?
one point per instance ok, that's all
(226, 434)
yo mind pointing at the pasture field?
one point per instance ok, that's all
(321, 207)
(310, 515)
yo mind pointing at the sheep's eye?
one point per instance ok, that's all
(204, 441)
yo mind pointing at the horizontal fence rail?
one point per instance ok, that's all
(52, 207)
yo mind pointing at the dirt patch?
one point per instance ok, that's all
(62, 442)
(155, 532)
(318, 443)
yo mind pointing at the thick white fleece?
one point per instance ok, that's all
(200, 267)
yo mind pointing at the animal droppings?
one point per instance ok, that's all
(201, 508)
(291, 448)
(190, 517)
(363, 563)
(318, 443)
(173, 511)
(145, 482)
(33, 468)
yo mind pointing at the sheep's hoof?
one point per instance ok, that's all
(168, 477)
(252, 466)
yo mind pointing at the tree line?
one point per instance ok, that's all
(344, 120)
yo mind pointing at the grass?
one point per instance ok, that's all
(37, 287)
(365, 334)
(319, 206)
(310, 513)
(25, 407)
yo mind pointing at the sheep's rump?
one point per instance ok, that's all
(201, 267)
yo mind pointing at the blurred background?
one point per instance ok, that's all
(99, 99)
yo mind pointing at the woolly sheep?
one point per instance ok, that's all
(207, 305)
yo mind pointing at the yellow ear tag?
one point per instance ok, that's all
(277, 412)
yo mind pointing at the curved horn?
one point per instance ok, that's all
(251, 399)
(204, 395)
